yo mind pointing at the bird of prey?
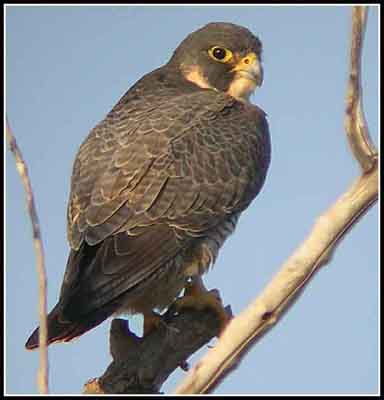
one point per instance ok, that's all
(159, 184)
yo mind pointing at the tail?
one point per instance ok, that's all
(60, 330)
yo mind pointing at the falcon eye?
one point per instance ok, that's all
(220, 54)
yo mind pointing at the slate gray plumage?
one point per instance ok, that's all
(158, 185)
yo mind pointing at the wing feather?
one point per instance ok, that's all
(185, 163)
(113, 267)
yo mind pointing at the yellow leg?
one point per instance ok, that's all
(198, 297)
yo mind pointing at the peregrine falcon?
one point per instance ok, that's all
(159, 184)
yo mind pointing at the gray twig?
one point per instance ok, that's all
(42, 374)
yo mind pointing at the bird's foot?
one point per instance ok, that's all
(196, 296)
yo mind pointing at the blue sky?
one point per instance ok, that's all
(65, 69)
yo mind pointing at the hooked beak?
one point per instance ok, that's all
(249, 67)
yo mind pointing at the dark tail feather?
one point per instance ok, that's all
(59, 331)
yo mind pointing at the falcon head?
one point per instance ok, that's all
(221, 56)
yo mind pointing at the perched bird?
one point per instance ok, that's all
(159, 184)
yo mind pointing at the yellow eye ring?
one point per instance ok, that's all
(220, 54)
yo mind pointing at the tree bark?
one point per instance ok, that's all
(141, 365)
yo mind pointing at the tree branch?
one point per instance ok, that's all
(42, 374)
(263, 312)
(141, 365)
(355, 124)
(317, 249)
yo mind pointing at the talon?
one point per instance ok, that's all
(196, 296)
(184, 366)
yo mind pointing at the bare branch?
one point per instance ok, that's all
(285, 286)
(317, 249)
(42, 374)
(355, 124)
(141, 365)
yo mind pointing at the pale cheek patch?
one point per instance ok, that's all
(194, 74)
(241, 88)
